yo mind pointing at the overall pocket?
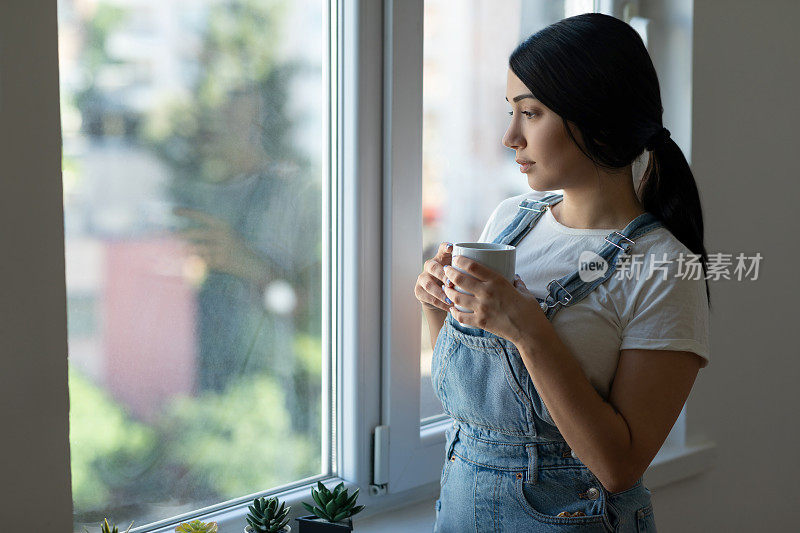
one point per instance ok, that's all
(476, 385)
(566, 491)
(445, 470)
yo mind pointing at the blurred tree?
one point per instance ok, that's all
(252, 201)
(93, 101)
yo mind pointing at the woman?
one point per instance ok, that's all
(561, 395)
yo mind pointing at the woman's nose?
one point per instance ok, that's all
(512, 139)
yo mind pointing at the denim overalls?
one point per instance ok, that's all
(507, 468)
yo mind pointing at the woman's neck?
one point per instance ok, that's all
(593, 209)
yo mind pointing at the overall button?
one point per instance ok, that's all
(593, 493)
(572, 452)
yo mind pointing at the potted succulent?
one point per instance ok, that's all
(332, 512)
(196, 526)
(266, 516)
(106, 528)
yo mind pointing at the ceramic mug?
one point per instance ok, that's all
(501, 258)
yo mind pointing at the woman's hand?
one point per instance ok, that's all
(221, 248)
(508, 310)
(428, 289)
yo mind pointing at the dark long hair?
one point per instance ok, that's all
(594, 71)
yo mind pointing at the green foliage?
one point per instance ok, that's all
(215, 446)
(266, 516)
(237, 441)
(240, 45)
(106, 528)
(333, 505)
(104, 21)
(104, 443)
(308, 353)
(196, 526)
(106, 18)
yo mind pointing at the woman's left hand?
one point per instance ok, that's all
(508, 310)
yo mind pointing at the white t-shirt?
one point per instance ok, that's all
(633, 311)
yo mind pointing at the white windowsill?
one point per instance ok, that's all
(679, 462)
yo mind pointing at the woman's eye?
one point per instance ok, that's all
(528, 114)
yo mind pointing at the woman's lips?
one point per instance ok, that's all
(524, 167)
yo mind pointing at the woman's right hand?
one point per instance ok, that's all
(428, 289)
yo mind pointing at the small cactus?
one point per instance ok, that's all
(334, 505)
(266, 516)
(196, 526)
(106, 528)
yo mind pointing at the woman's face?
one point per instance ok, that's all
(537, 134)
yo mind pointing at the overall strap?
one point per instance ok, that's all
(529, 213)
(571, 289)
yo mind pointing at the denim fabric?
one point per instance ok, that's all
(508, 468)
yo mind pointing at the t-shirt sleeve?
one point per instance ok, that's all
(505, 212)
(670, 308)
(488, 227)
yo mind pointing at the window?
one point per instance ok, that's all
(195, 165)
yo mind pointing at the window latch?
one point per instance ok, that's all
(380, 461)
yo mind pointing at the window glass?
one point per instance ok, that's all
(193, 146)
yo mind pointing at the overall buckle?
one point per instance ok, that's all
(567, 297)
(621, 235)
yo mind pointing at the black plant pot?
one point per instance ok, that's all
(314, 524)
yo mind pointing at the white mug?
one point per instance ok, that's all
(501, 258)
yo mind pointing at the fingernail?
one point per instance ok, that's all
(446, 299)
(449, 246)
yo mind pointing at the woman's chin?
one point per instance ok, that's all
(538, 184)
(535, 181)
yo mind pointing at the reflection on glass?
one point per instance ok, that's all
(464, 163)
(192, 196)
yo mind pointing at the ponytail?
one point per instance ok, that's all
(668, 191)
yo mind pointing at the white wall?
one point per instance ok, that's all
(744, 141)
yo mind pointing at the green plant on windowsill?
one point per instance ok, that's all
(335, 509)
(196, 526)
(106, 528)
(267, 515)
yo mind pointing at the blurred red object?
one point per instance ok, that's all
(149, 310)
(430, 214)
